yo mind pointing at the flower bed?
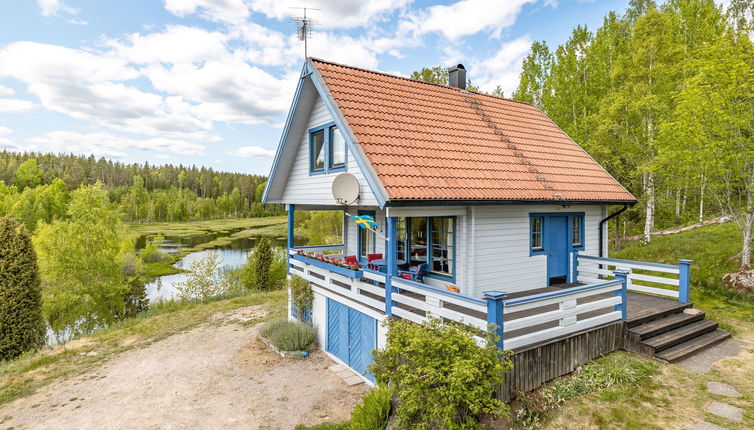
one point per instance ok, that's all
(336, 265)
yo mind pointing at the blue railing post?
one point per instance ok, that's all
(391, 246)
(291, 216)
(622, 275)
(684, 279)
(495, 314)
(575, 277)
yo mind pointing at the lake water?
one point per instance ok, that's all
(231, 256)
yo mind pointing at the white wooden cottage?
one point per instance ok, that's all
(486, 212)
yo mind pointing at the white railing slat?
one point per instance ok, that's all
(550, 333)
(653, 290)
(558, 299)
(444, 297)
(655, 279)
(519, 323)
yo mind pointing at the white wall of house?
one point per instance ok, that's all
(301, 188)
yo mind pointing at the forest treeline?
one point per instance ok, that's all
(36, 187)
(662, 96)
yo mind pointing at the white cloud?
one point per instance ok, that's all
(5, 130)
(15, 105)
(108, 144)
(503, 68)
(8, 144)
(233, 11)
(342, 49)
(465, 17)
(163, 156)
(177, 44)
(252, 152)
(333, 13)
(91, 87)
(49, 8)
(5, 91)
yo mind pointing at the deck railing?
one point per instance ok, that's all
(335, 251)
(652, 278)
(540, 317)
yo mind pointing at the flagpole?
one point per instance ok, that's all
(370, 229)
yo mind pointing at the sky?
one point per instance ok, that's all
(209, 82)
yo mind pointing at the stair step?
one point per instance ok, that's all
(692, 346)
(680, 335)
(647, 314)
(662, 325)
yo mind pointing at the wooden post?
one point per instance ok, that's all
(622, 275)
(391, 246)
(291, 216)
(684, 279)
(495, 314)
(575, 275)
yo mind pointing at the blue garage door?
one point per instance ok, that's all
(351, 336)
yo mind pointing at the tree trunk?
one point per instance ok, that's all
(678, 202)
(746, 250)
(701, 200)
(649, 221)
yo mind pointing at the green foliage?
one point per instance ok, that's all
(302, 295)
(81, 260)
(616, 370)
(437, 75)
(265, 268)
(290, 336)
(151, 252)
(204, 280)
(28, 175)
(136, 300)
(442, 378)
(320, 227)
(21, 325)
(374, 412)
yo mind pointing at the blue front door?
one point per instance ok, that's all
(351, 336)
(556, 246)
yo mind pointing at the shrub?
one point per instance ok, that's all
(21, 326)
(301, 296)
(205, 279)
(290, 336)
(374, 412)
(151, 252)
(442, 378)
(265, 268)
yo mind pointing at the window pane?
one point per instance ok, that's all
(576, 231)
(442, 246)
(401, 233)
(536, 233)
(337, 148)
(367, 241)
(418, 241)
(318, 150)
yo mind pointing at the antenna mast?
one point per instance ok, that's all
(304, 27)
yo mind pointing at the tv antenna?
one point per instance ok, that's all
(304, 27)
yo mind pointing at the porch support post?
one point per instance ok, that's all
(622, 275)
(391, 248)
(575, 275)
(684, 279)
(495, 314)
(291, 216)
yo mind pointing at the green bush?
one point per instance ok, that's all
(301, 296)
(265, 268)
(442, 378)
(21, 326)
(290, 336)
(151, 252)
(374, 412)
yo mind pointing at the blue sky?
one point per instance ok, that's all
(209, 82)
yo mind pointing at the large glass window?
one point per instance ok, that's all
(318, 150)
(366, 239)
(442, 245)
(576, 233)
(337, 148)
(536, 233)
(418, 241)
(401, 233)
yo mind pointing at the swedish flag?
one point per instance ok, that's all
(364, 221)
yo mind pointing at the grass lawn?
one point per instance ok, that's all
(675, 397)
(22, 376)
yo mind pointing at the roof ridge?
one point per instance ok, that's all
(377, 72)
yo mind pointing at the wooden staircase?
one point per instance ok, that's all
(671, 332)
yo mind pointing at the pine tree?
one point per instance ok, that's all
(21, 325)
(263, 259)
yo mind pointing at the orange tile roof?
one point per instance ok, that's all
(432, 142)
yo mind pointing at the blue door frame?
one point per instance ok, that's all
(557, 241)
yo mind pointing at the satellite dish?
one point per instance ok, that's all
(345, 189)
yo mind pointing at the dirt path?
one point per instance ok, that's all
(218, 375)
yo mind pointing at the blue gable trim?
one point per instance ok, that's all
(343, 126)
(304, 73)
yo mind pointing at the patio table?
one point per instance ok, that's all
(382, 263)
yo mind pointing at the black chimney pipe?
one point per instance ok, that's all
(457, 76)
(618, 212)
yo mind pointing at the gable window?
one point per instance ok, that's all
(536, 233)
(318, 150)
(577, 223)
(327, 150)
